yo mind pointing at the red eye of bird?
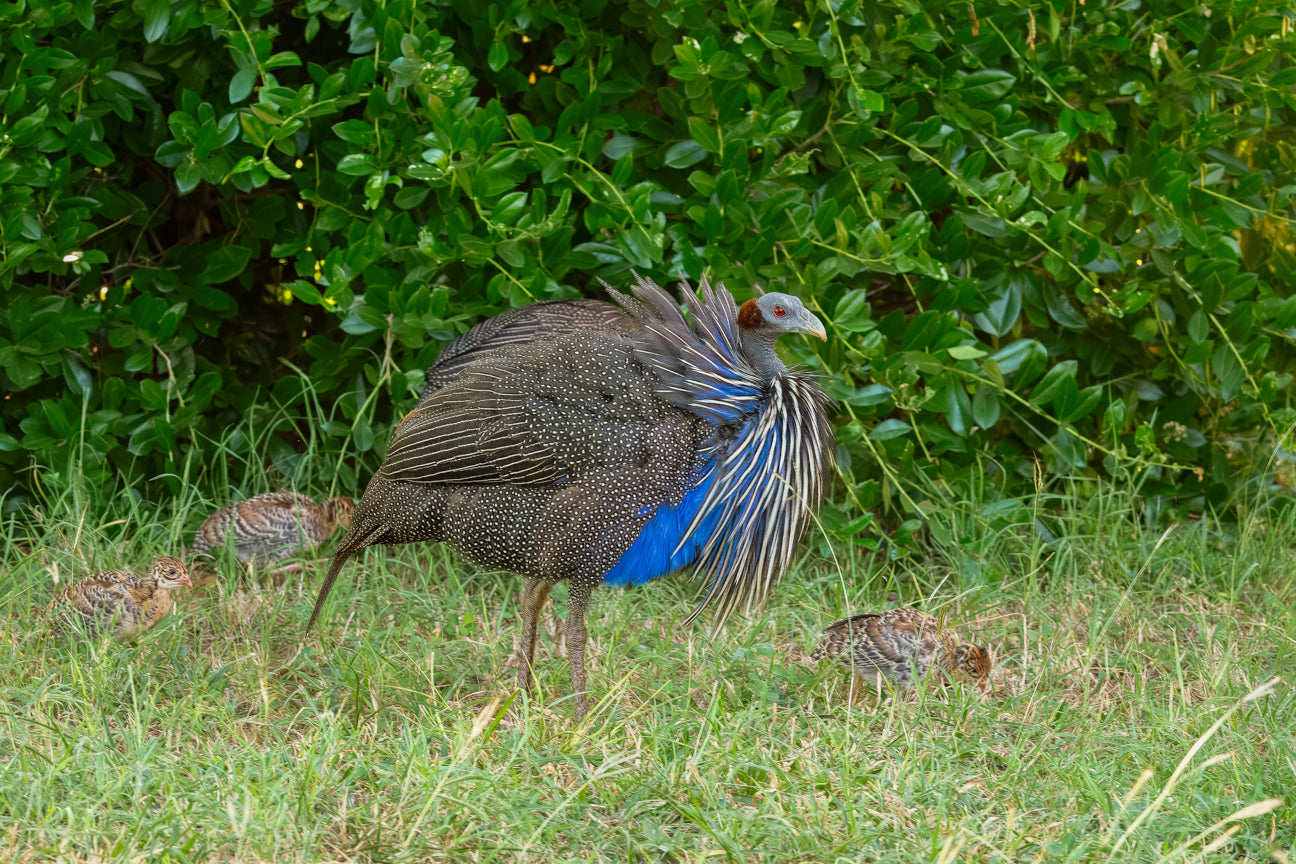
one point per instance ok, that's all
(779, 311)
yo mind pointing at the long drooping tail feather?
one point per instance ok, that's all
(353, 543)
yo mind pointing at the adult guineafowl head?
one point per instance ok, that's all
(613, 451)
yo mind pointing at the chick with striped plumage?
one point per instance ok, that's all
(899, 648)
(117, 603)
(271, 527)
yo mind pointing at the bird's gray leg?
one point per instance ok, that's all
(534, 594)
(577, 602)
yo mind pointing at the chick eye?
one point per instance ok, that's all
(779, 311)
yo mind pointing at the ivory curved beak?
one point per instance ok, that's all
(814, 326)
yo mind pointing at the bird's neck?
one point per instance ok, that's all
(758, 345)
(160, 600)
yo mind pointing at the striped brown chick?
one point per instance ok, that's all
(118, 603)
(273, 526)
(900, 647)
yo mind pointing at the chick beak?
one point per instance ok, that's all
(186, 581)
(812, 325)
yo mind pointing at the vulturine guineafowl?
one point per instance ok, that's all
(614, 453)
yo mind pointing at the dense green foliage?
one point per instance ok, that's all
(1062, 232)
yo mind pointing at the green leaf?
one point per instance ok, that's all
(989, 226)
(224, 264)
(1083, 406)
(1198, 326)
(1114, 418)
(356, 164)
(853, 314)
(157, 17)
(865, 102)
(406, 71)
(987, 84)
(923, 330)
(187, 176)
(282, 59)
(704, 134)
(888, 429)
(362, 434)
(966, 352)
(354, 324)
(1052, 380)
(240, 85)
(1229, 371)
(497, 57)
(306, 292)
(1068, 451)
(872, 394)
(508, 208)
(354, 131)
(622, 170)
(684, 154)
(985, 407)
(1061, 310)
(1003, 312)
(1025, 357)
(512, 255)
(1066, 398)
(1146, 329)
(152, 397)
(410, 197)
(957, 406)
(522, 128)
(58, 419)
(76, 376)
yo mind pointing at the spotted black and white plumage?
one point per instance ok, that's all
(614, 453)
(518, 327)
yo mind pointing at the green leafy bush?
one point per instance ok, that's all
(1046, 239)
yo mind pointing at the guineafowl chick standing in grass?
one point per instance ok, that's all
(900, 646)
(118, 602)
(270, 527)
(616, 450)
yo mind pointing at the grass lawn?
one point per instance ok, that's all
(1143, 711)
